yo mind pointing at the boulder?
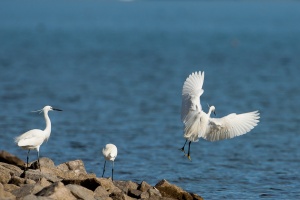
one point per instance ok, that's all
(57, 191)
(80, 192)
(101, 193)
(5, 194)
(125, 185)
(11, 159)
(172, 191)
(144, 186)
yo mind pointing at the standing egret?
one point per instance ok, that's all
(199, 124)
(110, 153)
(34, 138)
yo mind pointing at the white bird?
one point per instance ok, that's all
(110, 153)
(34, 138)
(198, 124)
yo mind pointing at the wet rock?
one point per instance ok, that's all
(172, 191)
(9, 158)
(80, 192)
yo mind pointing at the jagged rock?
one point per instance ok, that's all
(172, 191)
(44, 163)
(80, 192)
(125, 185)
(101, 193)
(56, 191)
(11, 159)
(144, 186)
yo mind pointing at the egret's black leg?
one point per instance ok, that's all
(38, 161)
(112, 171)
(27, 158)
(104, 168)
(188, 155)
(182, 149)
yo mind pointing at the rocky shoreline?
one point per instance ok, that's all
(70, 180)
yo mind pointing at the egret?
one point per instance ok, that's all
(198, 124)
(34, 138)
(110, 153)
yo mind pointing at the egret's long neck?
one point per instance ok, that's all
(209, 112)
(48, 125)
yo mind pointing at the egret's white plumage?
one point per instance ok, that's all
(199, 124)
(110, 153)
(34, 138)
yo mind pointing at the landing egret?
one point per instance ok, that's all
(110, 153)
(199, 124)
(34, 138)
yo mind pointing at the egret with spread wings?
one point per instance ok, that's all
(198, 124)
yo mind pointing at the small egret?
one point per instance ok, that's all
(199, 124)
(34, 138)
(110, 153)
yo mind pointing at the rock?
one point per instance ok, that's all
(134, 193)
(4, 175)
(120, 196)
(10, 187)
(125, 185)
(108, 185)
(80, 192)
(11, 159)
(77, 166)
(57, 191)
(101, 193)
(44, 162)
(5, 194)
(144, 186)
(172, 191)
(14, 170)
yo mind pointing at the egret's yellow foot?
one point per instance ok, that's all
(188, 156)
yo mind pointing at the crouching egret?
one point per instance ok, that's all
(198, 124)
(34, 138)
(110, 153)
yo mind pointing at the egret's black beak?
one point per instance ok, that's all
(56, 109)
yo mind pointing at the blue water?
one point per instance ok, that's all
(117, 70)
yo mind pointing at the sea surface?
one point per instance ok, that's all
(116, 69)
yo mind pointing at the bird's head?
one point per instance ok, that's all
(49, 108)
(212, 109)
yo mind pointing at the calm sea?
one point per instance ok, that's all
(117, 68)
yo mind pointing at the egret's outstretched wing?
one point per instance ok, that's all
(230, 126)
(191, 92)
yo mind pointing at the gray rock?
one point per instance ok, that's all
(80, 192)
(120, 196)
(108, 185)
(134, 193)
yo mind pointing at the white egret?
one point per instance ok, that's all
(110, 153)
(34, 138)
(199, 124)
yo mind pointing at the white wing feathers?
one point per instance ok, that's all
(230, 126)
(191, 92)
